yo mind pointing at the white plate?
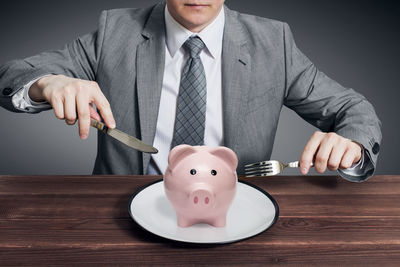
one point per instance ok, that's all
(253, 211)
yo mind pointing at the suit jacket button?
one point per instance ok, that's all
(7, 91)
(376, 148)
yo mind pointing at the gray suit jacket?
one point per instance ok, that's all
(262, 69)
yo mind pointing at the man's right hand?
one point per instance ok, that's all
(72, 100)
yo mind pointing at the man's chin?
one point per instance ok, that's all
(196, 21)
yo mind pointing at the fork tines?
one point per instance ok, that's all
(258, 168)
(258, 164)
(263, 168)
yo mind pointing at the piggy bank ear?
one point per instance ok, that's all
(178, 153)
(226, 155)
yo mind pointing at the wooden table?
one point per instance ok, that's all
(70, 220)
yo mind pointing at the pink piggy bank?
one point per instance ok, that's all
(200, 183)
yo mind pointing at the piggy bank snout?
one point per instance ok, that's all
(201, 197)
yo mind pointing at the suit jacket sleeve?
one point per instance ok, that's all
(78, 59)
(327, 105)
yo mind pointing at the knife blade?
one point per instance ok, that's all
(125, 138)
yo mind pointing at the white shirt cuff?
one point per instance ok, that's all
(23, 102)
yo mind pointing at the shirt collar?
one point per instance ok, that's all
(212, 35)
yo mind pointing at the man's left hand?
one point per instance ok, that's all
(329, 150)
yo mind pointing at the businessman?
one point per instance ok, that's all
(194, 72)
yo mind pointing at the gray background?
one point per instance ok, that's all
(354, 42)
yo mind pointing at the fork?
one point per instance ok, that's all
(268, 168)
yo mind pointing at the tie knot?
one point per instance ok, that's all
(193, 46)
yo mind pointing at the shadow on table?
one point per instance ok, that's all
(328, 182)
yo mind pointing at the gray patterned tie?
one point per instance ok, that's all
(192, 99)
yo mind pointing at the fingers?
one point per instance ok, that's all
(329, 150)
(70, 107)
(58, 107)
(309, 151)
(104, 106)
(351, 156)
(358, 149)
(336, 156)
(93, 113)
(347, 160)
(82, 105)
(72, 98)
(323, 154)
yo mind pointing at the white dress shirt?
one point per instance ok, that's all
(175, 59)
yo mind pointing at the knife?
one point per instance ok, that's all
(123, 137)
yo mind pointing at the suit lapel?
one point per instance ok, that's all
(150, 71)
(235, 77)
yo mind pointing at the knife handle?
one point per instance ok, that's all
(98, 125)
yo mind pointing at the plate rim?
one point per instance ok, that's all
(276, 206)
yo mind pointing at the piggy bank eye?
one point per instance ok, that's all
(213, 172)
(192, 171)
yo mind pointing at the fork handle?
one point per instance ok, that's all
(296, 164)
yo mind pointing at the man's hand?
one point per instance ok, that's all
(329, 150)
(72, 100)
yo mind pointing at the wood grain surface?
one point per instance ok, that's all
(84, 220)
